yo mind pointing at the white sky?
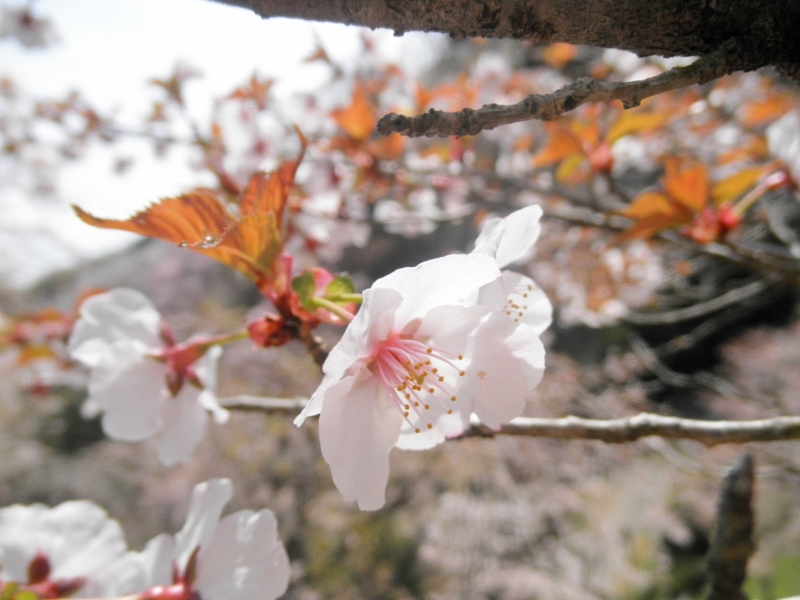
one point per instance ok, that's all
(109, 50)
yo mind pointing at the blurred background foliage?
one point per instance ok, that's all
(669, 250)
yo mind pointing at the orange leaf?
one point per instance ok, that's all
(257, 91)
(648, 204)
(562, 143)
(650, 225)
(559, 54)
(760, 111)
(359, 119)
(568, 167)
(737, 184)
(34, 352)
(200, 220)
(634, 121)
(686, 184)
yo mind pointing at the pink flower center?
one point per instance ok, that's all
(416, 375)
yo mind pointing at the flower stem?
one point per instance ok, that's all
(333, 307)
(225, 338)
(357, 298)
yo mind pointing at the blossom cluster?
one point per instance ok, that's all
(141, 381)
(76, 550)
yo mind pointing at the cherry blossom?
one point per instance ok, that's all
(237, 557)
(142, 382)
(418, 359)
(54, 552)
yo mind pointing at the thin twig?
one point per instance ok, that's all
(732, 543)
(612, 431)
(629, 429)
(269, 405)
(651, 362)
(701, 309)
(437, 123)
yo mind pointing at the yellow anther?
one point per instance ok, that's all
(460, 357)
(430, 425)
(429, 350)
(406, 406)
(434, 370)
(427, 407)
(407, 396)
(452, 398)
(416, 403)
(431, 390)
(405, 414)
(441, 378)
(416, 430)
(524, 295)
(462, 373)
(450, 411)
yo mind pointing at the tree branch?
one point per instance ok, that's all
(612, 431)
(436, 123)
(732, 543)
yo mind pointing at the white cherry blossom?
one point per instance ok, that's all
(56, 551)
(238, 557)
(419, 358)
(139, 381)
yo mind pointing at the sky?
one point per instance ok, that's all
(109, 50)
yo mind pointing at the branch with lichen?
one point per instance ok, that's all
(612, 431)
(436, 123)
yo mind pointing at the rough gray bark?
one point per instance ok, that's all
(732, 543)
(767, 29)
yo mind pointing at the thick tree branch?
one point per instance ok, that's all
(435, 123)
(732, 543)
(612, 431)
(663, 27)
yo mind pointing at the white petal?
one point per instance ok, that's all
(357, 429)
(134, 572)
(783, 138)
(535, 308)
(184, 425)
(371, 325)
(90, 352)
(130, 389)
(442, 281)
(244, 559)
(206, 369)
(119, 314)
(78, 538)
(512, 239)
(208, 500)
(499, 379)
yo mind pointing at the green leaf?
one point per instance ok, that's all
(26, 595)
(305, 287)
(340, 286)
(9, 590)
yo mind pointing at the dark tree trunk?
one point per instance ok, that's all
(768, 28)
